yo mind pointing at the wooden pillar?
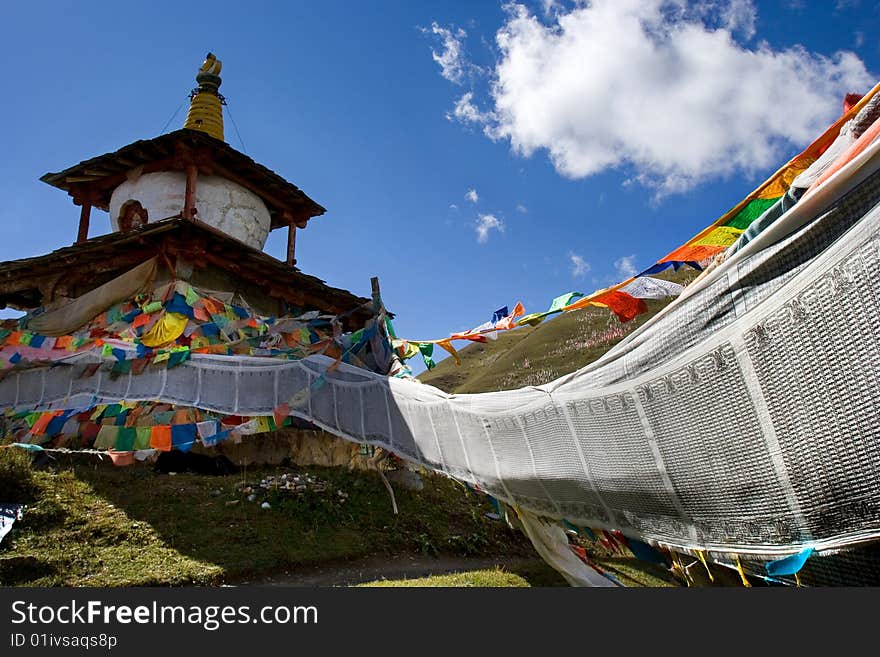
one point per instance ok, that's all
(84, 214)
(291, 244)
(189, 202)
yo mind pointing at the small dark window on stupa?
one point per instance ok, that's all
(131, 216)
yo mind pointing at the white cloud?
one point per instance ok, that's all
(738, 16)
(450, 58)
(662, 89)
(466, 112)
(521, 208)
(626, 266)
(455, 66)
(860, 39)
(485, 223)
(579, 266)
(453, 206)
(472, 196)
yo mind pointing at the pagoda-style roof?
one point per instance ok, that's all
(94, 180)
(30, 282)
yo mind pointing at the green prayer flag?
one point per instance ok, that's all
(152, 307)
(191, 296)
(142, 438)
(532, 319)
(390, 328)
(562, 301)
(125, 439)
(177, 357)
(121, 367)
(106, 438)
(427, 350)
(114, 314)
(113, 410)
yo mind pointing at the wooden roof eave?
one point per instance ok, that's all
(93, 180)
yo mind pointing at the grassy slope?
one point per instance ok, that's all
(534, 356)
(103, 526)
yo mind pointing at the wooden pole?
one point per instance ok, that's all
(189, 202)
(377, 297)
(84, 214)
(291, 244)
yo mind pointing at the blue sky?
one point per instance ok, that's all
(596, 137)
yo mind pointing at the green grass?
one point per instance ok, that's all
(103, 526)
(495, 578)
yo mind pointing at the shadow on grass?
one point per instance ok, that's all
(105, 526)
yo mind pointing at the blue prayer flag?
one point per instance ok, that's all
(789, 565)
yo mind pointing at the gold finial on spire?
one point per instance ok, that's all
(205, 102)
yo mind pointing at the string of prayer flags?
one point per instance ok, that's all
(724, 231)
(507, 320)
(556, 306)
(645, 552)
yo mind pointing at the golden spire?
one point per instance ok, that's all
(205, 102)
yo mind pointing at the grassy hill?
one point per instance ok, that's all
(537, 355)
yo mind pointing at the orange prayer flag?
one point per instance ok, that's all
(63, 342)
(43, 422)
(210, 306)
(693, 253)
(140, 320)
(447, 345)
(160, 438)
(507, 323)
(624, 305)
(280, 413)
